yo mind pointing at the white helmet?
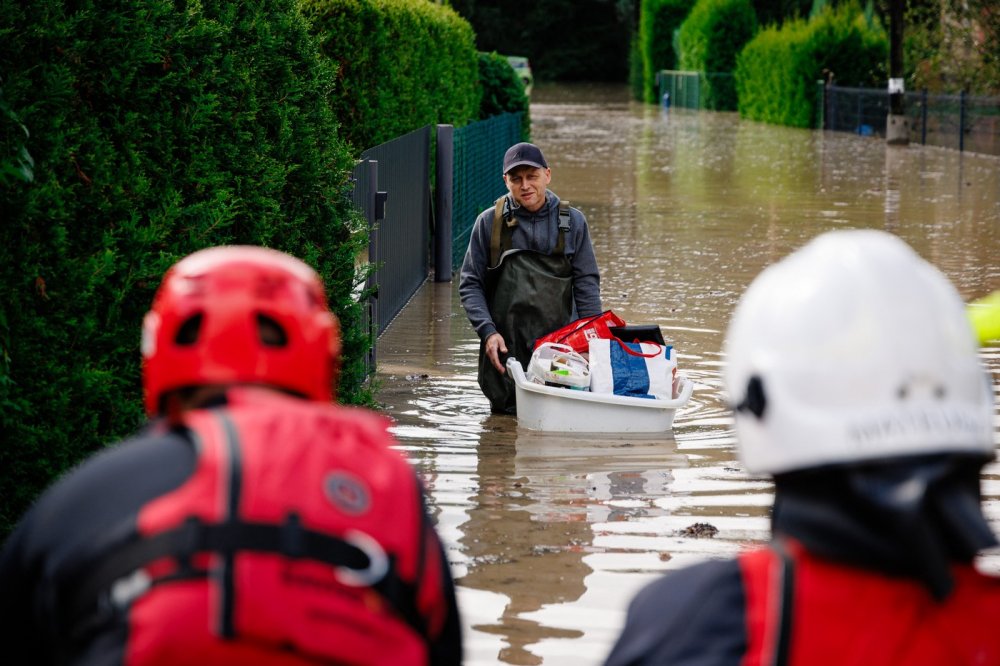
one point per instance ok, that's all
(853, 349)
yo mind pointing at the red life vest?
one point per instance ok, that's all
(300, 538)
(834, 614)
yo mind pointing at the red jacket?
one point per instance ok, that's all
(730, 612)
(847, 615)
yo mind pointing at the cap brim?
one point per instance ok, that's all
(524, 163)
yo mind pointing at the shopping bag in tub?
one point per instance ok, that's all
(559, 365)
(578, 333)
(637, 369)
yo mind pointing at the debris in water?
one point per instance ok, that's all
(699, 530)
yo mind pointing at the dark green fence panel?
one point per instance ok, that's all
(680, 89)
(478, 178)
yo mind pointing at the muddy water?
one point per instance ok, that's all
(550, 536)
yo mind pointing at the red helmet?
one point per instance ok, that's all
(240, 314)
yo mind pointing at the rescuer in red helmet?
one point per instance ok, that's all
(253, 522)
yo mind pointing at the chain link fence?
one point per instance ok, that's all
(478, 167)
(961, 122)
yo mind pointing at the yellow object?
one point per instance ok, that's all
(984, 313)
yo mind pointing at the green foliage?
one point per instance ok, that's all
(636, 71)
(952, 45)
(776, 73)
(710, 38)
(401, 65)
(566, 40)
(158, 127)
(776, 11)
(658, 20)
(503, 91)
(19, 165)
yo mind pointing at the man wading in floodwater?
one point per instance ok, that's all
(530, 260)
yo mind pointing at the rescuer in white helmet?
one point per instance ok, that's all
(856, 383)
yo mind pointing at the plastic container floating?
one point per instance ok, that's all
(557, 409)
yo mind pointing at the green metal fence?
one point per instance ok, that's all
(697, 90)
(680, 89)
(478, 167)
(961, 122)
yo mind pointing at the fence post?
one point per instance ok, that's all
(821, 115)
(371, 205)
(923, 117)
(961, 122)
(830, 117)
(445, 160)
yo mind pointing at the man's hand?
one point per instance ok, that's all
(494, 347)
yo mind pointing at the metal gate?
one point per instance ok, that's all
(392, 190)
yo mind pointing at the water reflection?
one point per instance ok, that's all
(550, 536)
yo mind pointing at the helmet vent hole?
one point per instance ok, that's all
(939, 392)
(271, 333)
(902, 392)
(187, 334)
(754, 402)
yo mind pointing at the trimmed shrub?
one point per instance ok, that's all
(158, 127)
(503, 91)
(776, 73)
(17, 163)
(636, 70)
(709, 40)
(401, 65)
(658, 21)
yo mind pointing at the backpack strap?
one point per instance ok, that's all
(560, 247)
(503, 224)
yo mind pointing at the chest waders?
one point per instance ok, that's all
(529, 294)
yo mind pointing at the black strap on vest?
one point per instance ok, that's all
(783, 636)
(194, 536)
(503, 228)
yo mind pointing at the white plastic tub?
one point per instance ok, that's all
(555, 409)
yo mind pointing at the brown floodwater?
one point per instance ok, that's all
(549, 536)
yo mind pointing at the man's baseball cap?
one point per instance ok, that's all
(523, 154)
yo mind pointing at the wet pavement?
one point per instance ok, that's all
(550, 535)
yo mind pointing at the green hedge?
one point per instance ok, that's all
(658, 20)
(776, 73)
(401, 65)
(16, 164)
(157, 127)
(709, 40)
(502, 90)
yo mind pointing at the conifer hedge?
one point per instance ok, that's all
(710, 38)
(401, 65)
(658, 20)
(502, 91)
(157, 127)
(776, 73)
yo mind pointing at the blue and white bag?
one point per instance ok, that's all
(647, 372)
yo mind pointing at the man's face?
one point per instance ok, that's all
(528, 185)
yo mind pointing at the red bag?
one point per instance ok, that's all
(578, 334)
